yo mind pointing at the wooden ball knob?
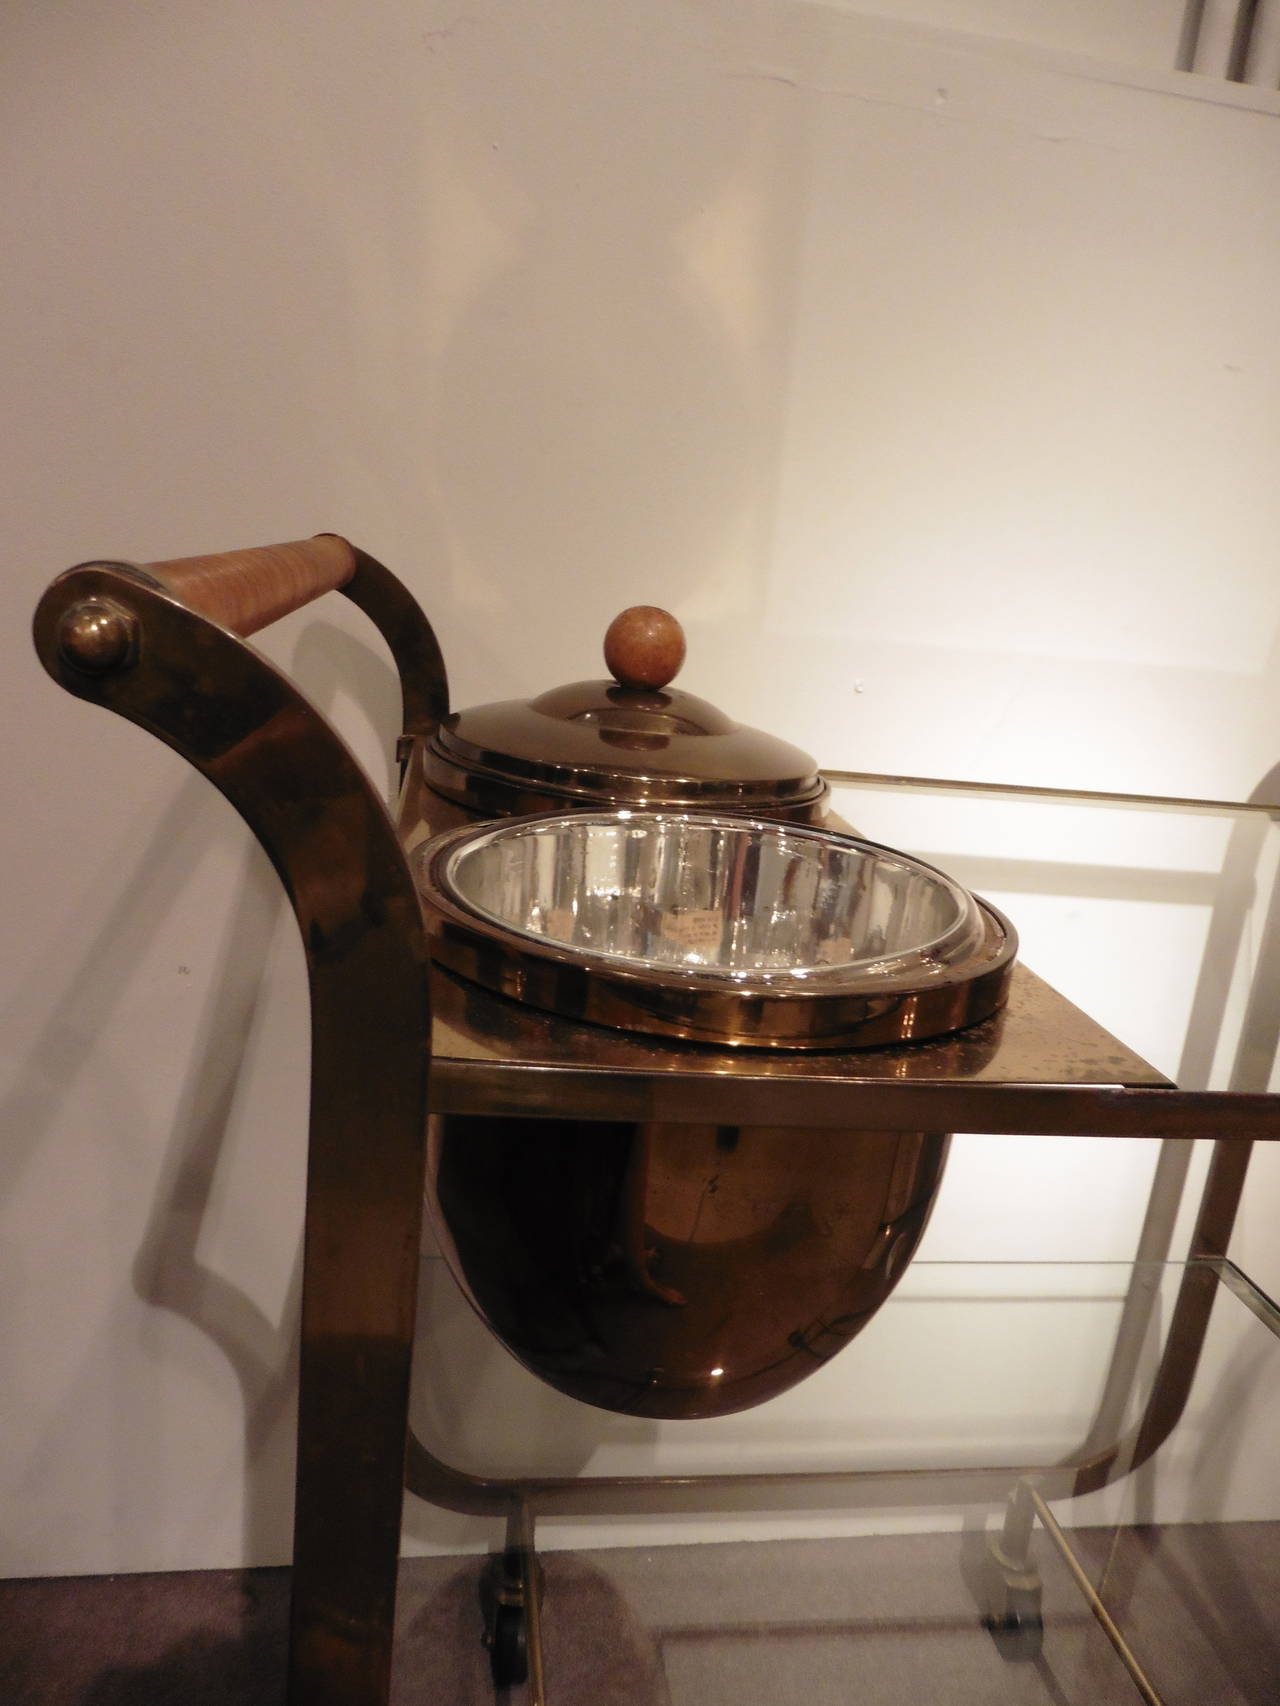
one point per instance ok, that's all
(644, 647)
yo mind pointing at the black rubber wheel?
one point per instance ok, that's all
(1019, 1635)
(509, 1651)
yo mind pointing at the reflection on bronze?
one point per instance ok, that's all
(97, 636)
(677, 1270)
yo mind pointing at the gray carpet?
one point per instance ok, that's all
(890, 1621)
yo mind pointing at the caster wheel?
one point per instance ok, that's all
(509, 1647)
(1014, 1618)
(1019, 1632)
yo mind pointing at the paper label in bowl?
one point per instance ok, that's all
(694, 928)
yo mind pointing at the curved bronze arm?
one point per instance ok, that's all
(128, 639)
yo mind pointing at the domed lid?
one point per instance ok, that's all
(632, 740)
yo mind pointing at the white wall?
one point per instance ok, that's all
(932, 383)
(1141, 33)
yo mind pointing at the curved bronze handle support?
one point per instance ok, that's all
(410, 638)
(112, 635)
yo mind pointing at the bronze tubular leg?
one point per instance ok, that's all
(112, 635)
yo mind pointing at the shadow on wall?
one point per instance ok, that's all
(167, 1271)
(117, 938)
(331, 665)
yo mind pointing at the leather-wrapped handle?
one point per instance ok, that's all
(241, 591)
(247, 590)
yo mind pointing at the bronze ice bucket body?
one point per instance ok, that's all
(681, 875)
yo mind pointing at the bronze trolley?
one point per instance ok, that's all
(395, 1045)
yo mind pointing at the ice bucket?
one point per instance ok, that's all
(689, 882)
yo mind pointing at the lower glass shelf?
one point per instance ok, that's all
(968, 1366)
(886, 1620)
(913, 1523)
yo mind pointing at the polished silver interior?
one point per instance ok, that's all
(715, 896)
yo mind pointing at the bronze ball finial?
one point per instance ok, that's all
(97, 636)
(644, 647)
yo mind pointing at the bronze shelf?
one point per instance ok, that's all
(1040, 1066)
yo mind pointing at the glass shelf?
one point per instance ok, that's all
(1020, 1367)
(1028, 1371)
